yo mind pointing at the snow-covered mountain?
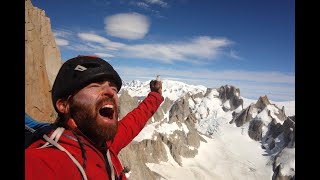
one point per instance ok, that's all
(171, 89)
(210, 133)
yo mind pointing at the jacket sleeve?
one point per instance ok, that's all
(131, 125)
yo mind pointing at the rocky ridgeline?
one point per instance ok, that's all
(279, 136)
(269, 124)
(180, 144)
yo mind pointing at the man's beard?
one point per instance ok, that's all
(86, 120)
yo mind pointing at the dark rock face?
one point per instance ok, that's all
(179, 110)
(289, 132)
(126, 103)
(280, 173)
(275, 129)
(262, 102)
(136, 154)
(285, 131)
(255, 130)
(232, 94)
(243, 117)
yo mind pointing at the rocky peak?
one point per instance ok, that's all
(230, 97)
(262, 102)
(42, 62)
(269, 124)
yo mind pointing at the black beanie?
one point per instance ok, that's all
(78, 72)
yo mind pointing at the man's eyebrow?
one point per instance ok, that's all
(111, 83)
(101, 81)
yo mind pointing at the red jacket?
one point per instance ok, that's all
(52, 163)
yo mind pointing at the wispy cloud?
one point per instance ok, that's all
(93, 37)
(143, 5)
(101, 41)
(62, 33)
(103, 55)
(233, 54)
(127, 25)
(195, 50)
(61, 36)
(150, 8)
(61, 42)
(157, 2)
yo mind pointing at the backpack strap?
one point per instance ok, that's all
(53, 140)
(54, 136)
(111, 165)
(31, 135)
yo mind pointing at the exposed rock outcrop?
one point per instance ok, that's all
(127, 102)
(136, 154)
(243, 117)
(276, 135)
(180, 143)
(179, 110)
(230, 97)
(42, 62)
(281, 172)
(255, 130)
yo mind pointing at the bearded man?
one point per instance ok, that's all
(86, 138)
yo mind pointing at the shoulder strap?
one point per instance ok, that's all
(110, 165)
(53, 139)
(31, 135)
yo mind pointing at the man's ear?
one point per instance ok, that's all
(61, 105)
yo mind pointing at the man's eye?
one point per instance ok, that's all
(114, 89)
(94, 85)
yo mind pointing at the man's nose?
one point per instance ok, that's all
(107, 90)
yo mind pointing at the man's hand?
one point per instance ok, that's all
(156, 86)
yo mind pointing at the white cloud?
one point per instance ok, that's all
(61, 42)
(103, 55)
(61, 32)
(92, 37)
(62, 36)
(104, 43)
(86, 47)
(234, 55)
(127, 25)
(195, 50)
(143, 5)
(157, 2)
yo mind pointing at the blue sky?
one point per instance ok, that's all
(246, 43)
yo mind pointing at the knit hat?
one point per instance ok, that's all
(78, 72)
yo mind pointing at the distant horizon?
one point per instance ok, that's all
(248, 98)
(248, 44)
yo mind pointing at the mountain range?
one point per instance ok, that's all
(210, 133)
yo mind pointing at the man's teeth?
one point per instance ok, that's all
(107, 111)
(108, 106)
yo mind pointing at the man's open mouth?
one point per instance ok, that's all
(107, 111)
